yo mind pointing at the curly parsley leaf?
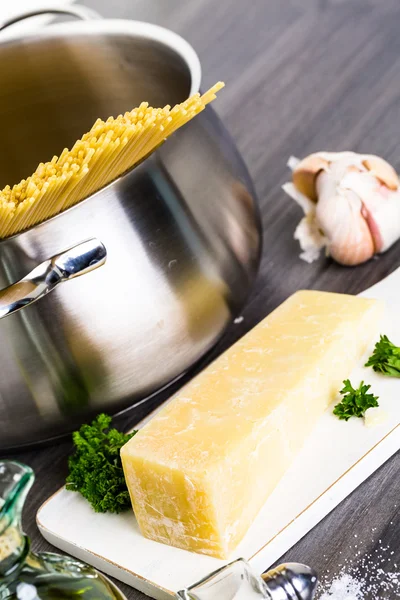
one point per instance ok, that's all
(385, 358)
(355, 401)
(95, 468)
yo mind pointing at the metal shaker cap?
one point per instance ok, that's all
(291, 581)
(237, 581)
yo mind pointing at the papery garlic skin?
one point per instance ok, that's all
(351, 204)
(307, 232)
(310, 238)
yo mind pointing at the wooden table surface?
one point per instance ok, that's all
(302, 76)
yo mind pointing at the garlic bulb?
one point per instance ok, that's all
(351, 204)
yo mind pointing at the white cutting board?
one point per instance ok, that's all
(337, 457)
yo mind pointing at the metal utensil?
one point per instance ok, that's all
(181, 230)
(44, 278)
(297, 581)
(237, 581)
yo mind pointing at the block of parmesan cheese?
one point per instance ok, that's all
(201, 469)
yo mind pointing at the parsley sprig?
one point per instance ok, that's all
(355, 401)
(385, 358)
(95, 468)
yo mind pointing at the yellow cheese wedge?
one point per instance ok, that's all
(200, 471)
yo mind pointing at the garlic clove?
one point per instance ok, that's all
(306, 172)
(382, 170)
(381, 207)
(350, 254)
(383, 218)
(340, 216)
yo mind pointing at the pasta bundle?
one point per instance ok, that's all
(107, 151)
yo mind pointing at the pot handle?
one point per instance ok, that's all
(81, 12)
(44, 278)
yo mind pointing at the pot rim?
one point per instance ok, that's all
(135, 28)
(139, 29)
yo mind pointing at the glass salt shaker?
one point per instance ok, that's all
(237, 581)
(26, 575)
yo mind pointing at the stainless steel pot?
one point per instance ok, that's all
(166, 254)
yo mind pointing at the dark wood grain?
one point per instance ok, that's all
(302, 75)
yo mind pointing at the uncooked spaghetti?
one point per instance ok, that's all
(107, 151)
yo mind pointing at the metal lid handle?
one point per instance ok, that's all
(81, 12)
(76, 261)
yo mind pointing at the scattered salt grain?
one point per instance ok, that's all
(370, 577)
(344, 587)
(238, 320)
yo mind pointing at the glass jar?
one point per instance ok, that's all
(26, 575)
